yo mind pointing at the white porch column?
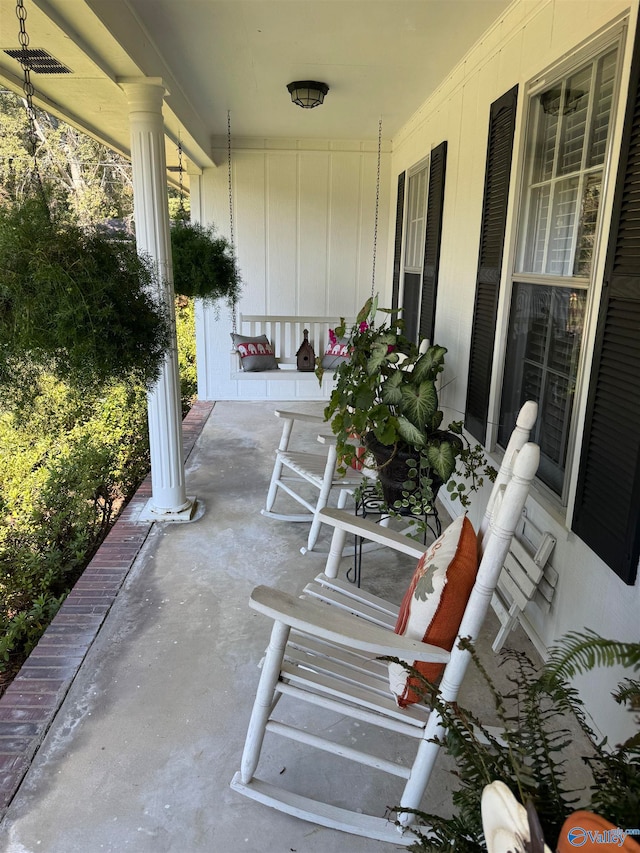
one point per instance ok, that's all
(151, 213)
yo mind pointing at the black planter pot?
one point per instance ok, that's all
(393, 470)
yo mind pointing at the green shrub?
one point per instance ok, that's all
(186, 335)
(70, 462)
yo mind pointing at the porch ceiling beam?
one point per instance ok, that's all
(65, 26)
(44, 102)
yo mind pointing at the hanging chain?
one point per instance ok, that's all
(182, 213)
(375, 223)
(27, 85)
(234, 313)
(233, 242)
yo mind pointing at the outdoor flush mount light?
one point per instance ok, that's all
(307, 93)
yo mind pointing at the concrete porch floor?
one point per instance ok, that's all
(141, 752)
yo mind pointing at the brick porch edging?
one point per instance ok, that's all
(32, 700)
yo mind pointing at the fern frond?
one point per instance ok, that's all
(628, 693)
(581, 652)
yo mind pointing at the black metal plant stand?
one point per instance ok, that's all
(369, 502)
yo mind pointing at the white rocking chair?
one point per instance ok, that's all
(295, 468)
(328, 656)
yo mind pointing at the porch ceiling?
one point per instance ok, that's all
(379, 58)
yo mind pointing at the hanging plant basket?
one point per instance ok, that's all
(204, 265)
(76, 303)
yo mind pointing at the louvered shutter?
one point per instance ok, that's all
(607, 510)
(502, 119)
(433, 238)
(397, 251)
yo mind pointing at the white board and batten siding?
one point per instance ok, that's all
(304, 214)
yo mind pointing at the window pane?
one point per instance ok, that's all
(574, 123)
(545, 333)
(569, 123)
(416, 212)
(602, 108)
(538, 225)
(545, 146)
(587, 225)
(562, 230)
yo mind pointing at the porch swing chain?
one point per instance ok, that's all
(182, 213)
(234, 307)
(27, 85)
(375, 223)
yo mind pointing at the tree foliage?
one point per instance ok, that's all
(93, 181)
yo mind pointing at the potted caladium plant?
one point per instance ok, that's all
(385, 399)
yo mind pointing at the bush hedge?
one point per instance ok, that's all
(70, 460)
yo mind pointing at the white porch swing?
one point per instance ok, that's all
(265, 346)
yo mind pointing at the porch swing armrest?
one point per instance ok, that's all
(372, 532)
(335, 626)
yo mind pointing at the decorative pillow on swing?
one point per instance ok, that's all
(256, 353)
(433, 606)
(337, 353)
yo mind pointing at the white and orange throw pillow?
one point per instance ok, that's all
(433, 606)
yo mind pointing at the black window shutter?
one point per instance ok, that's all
(433, 239)
(607, 510)
(397, 251)
(502, 118)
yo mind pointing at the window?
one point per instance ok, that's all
(423, 232)
(568, 130)
(416, 216)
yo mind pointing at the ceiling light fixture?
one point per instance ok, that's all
(307, 93)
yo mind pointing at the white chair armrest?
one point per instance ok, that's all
(299, 416)
(372, 532)
(328, 623)
(329, 440)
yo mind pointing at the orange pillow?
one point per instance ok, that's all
(433, 606)
(593, 833)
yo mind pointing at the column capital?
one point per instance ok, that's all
(144, 93)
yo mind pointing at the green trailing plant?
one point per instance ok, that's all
(386, 397)
(204, 265)
(74, 302)
(530, 756)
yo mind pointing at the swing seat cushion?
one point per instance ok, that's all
(434, 604)
(256, 353)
